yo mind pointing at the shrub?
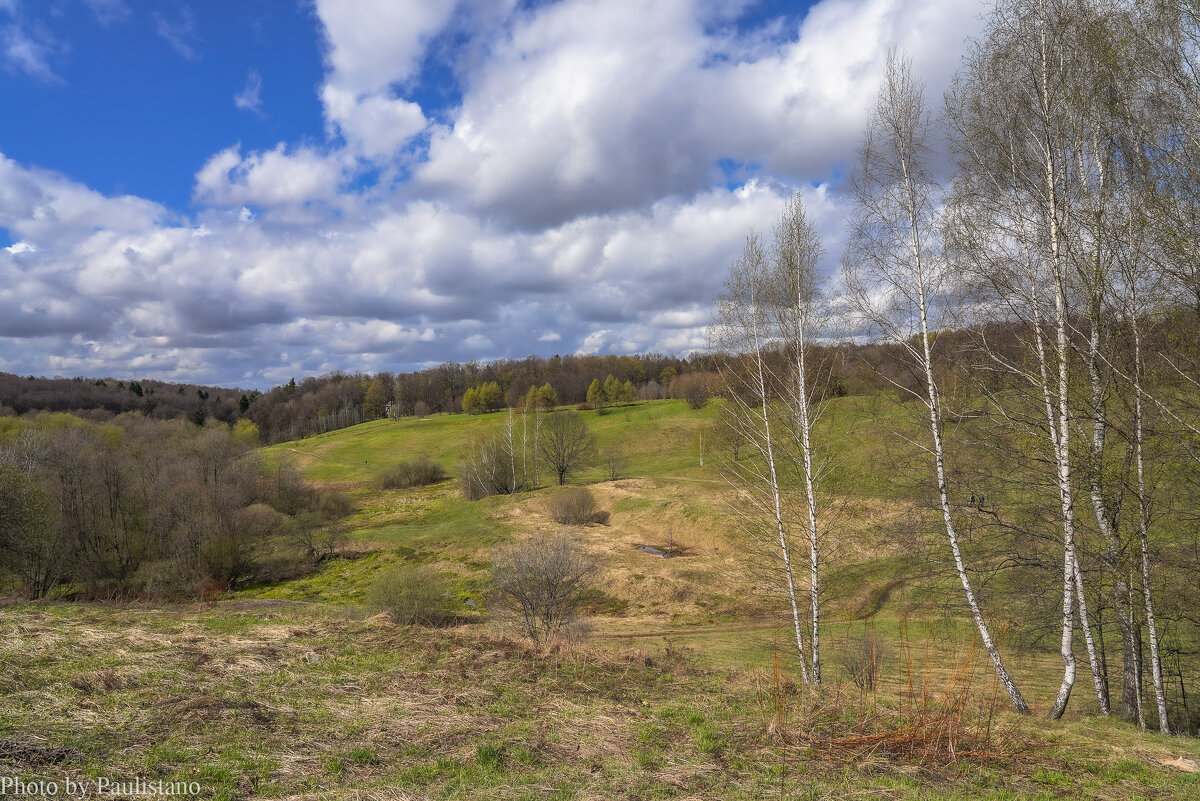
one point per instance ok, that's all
(418, 472)
(539, 586)
(168, 579)
(259, 521)
(575, 506)
(863, 658)
(315, 540)
(413, 595)
(285, 490)
(227, 558)
(334, 505)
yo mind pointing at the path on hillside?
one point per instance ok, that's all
(312, 455)
(686, 631)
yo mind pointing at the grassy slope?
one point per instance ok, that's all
(258, 700)
(284, 691)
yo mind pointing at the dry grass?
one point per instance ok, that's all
(276, 701)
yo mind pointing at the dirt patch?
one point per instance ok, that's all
(1182, 763)
(15, 751)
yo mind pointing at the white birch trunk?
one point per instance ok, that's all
(1062, 438)
(512, 451)
(810, 492)
(537, 430)
(1160, 698)
(939, 458)
(776, 498)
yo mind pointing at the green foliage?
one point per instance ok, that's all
(418, 472)
(612, 390)
(413, 595)
(245, 432)
(364, 756)
(490, 756)
(596, 398)
(487, 397)
(376, 399)
(539, 398)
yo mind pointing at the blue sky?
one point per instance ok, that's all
(134, 100)
(239, 192)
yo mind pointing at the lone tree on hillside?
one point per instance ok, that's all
(565, 443)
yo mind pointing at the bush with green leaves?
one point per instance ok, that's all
(419, 472)
(413, 595)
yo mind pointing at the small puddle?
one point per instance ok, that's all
(650, 549)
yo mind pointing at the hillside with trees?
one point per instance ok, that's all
(928, 529)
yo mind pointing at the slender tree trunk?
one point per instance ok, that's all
(537, 430)
(777, 501)
(810, 492)
(1156, 672)
(897, 212)
(1136, 658)
(939, 457)
(1106, 521)
(512, 451)
(1062, 438)
(935, 425)
(1089, 641)
(1102, 646)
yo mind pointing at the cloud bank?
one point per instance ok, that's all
(585, 190)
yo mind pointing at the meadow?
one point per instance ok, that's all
(685, 688)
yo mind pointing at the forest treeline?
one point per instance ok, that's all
(318, 404)
(102, 398)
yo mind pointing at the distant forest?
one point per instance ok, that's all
(99, 399)
(318, 404)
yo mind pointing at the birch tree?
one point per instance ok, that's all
(798, 309)
(744, 330)
(1039, 124)
(1138, 282)
(897, 280)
